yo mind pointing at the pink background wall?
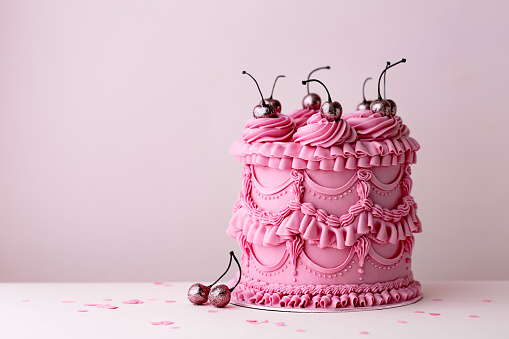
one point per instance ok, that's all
(116, 118)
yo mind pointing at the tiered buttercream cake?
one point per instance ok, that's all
(325, 219)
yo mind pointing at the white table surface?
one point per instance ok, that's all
(81, 310)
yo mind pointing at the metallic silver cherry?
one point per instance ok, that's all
(220, 296)
(275, 104)
(261, 111)
(394, 108)
(198, 294)
(311, 101)
(332, 111)
(381, 106)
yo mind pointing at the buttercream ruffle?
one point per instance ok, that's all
(327, 297)
(364, 154)
(325, 230)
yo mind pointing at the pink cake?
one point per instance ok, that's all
(325, 219)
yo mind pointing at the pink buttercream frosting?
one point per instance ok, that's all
(301, 116)
(374, 126)
(320, 132)
(269, 129)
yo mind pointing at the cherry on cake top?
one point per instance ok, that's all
(312, 100)
(271, 101)
(263, 110)
(331, 110)
(381, 105)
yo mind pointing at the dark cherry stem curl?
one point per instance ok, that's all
(259, 90)
(383, 72)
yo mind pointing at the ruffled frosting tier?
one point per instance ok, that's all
(301, 116)
(320, 132)
(374, 126)
(264, 130)
(327, 296)
(317, 227)
(292, 155)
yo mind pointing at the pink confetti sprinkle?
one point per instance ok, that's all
(158, 282)
(437, 299)
(486, 301)
(174, 327)
(152, 299)
(402, 322)
(164, 322)
(280, 324)
(434, 314)
(93, 305)
(108, 306)
(25, 301)
(167, 285)
(257, 322)
(363, 332)
(419, 312)
(473, 316)
(213, 311)
(82, 310)
(67, 302)
(107, 299)
(132, 301)
(299, 330)
(170, 301)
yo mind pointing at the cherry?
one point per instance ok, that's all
(312, 100)
(219, 295)
(263, 110)
(273, 102)
(331, 110)
(380, 105)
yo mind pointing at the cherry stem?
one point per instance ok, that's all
(227, 269)
(240, 270)
(273, 86)
(363, 86)
(383, 72)
(304, 82)
(385, 75)
(259, 90)
(317, 69)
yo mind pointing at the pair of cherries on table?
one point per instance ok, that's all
(330, 110)
(220, 295)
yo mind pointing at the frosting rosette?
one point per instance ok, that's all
(373, 126)
(269, 129)
(301, 116)
(321, 132)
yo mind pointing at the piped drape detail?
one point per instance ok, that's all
(316, 225)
